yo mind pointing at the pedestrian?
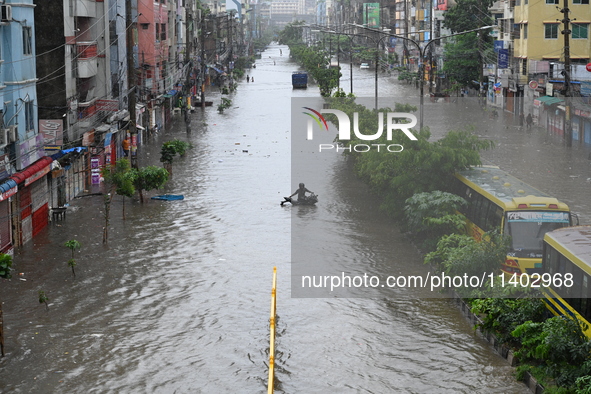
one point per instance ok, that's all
(252, 79)
(521, 120)
(247, 78)
(529, 120)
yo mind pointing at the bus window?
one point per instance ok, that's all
(495, 217)
(482, 214)
(528, 236)
(474, 209)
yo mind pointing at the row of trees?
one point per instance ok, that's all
(120, 179)
(413, 184)
(315, 59)
(123, 180)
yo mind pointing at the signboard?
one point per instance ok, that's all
(95, 172)
(533, 84)
(8, 194)
(549, 89)
(37, 175)
(52, 131)
(107, 105)
(371, 15)
(498, 45)
(588, 67)
(29, 151)
(538, 216)
(503, 58)
(585, 88)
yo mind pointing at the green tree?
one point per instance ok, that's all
(118, 179)
(170, 149)
(292, 33)
(72, 245)
(150, 178)
(462, 63)
(466, 55)
(431, 215)
(43, 299)
(460, 254)
(5, 268)
(422, 166)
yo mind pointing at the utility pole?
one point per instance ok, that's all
(131, 84)
(231, 54)
(430, 5)
(188, 62)
(203, 26)
(568, 132)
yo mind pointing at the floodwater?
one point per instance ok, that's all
(178, 301)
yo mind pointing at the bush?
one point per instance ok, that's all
(559, 344)
(431, 215)
(502, 316)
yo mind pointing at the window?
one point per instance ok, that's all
(157, 25)
(29, 121)
(551, 1)
(524, 31)
(523, 66)
(580, 30)
(550, 30)
(163, 32)
(27, 44)
(580, 1)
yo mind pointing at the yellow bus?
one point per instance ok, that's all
(499, 201)
(567, 273)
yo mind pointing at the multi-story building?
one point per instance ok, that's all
(24, 206)
(539, 45)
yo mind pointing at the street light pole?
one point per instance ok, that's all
(349, 36)
(421, 58)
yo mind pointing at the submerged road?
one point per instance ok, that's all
(178, 302)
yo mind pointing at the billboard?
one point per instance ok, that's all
(371, 14)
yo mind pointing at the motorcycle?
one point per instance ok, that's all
(312, 199)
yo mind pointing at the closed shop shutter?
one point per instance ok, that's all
(40, 219)
(27, 229)
(24, 196)
(4, 224)
(39, 194)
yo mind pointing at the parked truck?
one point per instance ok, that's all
(299, 80)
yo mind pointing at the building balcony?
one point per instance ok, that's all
(86, 8)
(87, 59)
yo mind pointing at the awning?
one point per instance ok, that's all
(33, 172)
(7, 189)
(169, 94)
(217, 69)
(549, 100)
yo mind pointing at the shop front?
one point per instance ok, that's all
(30, 208)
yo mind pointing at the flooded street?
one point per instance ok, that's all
(178, 301)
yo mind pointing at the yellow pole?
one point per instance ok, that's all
(272, 328)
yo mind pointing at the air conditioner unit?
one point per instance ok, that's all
(12, 134)
(6, 11)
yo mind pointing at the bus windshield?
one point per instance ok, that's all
(527, 229)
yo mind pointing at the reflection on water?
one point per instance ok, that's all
(178, 301)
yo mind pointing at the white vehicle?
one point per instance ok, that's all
(364, 65)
